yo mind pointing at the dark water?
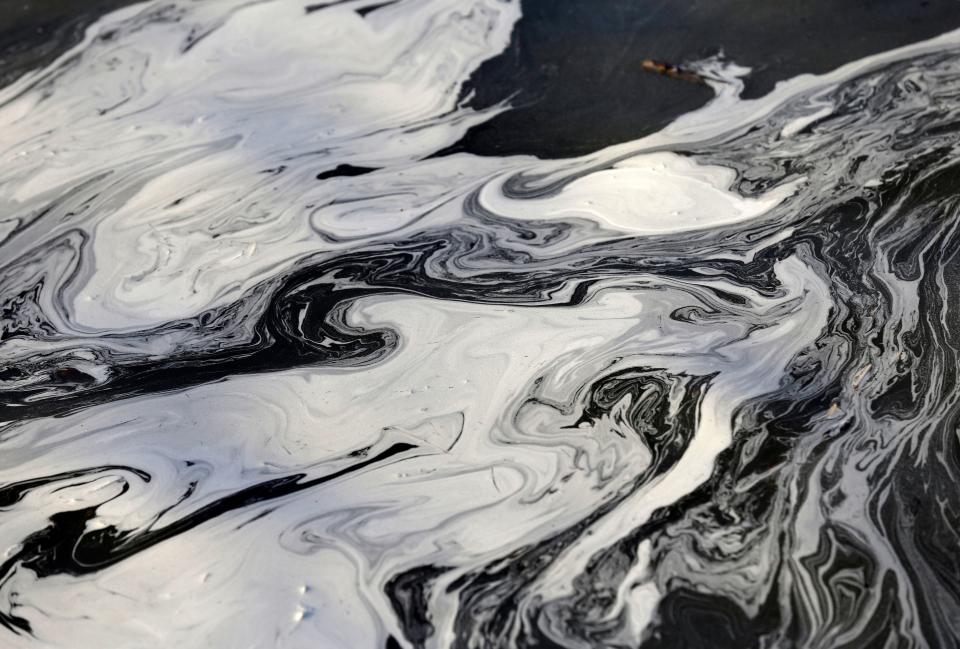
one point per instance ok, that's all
(317, 334)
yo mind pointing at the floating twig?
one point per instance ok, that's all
(672, 71)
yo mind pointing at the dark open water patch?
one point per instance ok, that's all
(572, 73)
(33, 34)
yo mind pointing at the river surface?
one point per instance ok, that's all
(318, 331)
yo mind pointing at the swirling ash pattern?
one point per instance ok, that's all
(275, 375)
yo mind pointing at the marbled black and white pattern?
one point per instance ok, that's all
(276, 374)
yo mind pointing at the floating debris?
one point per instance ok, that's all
(672, 71)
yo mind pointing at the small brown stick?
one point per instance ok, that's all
(672, 71)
